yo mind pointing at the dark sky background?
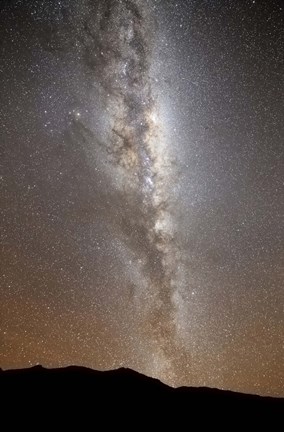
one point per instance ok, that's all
(141, 188)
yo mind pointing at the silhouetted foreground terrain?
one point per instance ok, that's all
(124, 397)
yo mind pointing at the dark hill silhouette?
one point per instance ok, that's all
(124, 398)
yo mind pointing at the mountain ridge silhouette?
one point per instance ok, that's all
(74, 392)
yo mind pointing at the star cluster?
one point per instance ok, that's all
(141, 184)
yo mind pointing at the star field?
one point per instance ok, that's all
(141, 188)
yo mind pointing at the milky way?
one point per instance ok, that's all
(118, 49)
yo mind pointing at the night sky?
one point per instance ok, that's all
(141, 188)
